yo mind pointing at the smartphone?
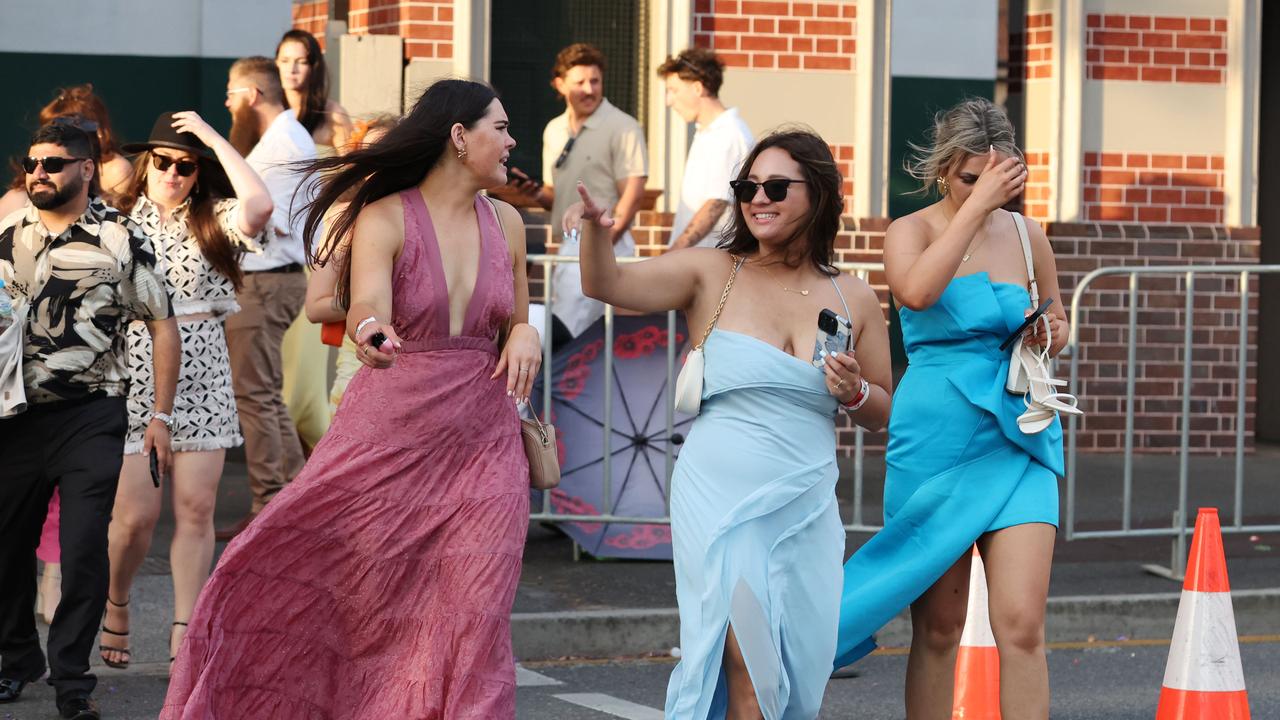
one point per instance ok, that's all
(834, 336)
(1031, 320)
(155, 468)
(514, 175)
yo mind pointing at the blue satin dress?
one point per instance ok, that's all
(756, 532)
(957, 466)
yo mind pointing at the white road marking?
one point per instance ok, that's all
(528, 678)
(612, 705)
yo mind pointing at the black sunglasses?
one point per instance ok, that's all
(775, 189)
(52, 165)
(162, 163)
(564, 154)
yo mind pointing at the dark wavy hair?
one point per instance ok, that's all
(826, 203)
(315, 95)
(212, 185)
(398, 160)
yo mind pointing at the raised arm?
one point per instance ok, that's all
(251, 191)
(667, 282)
(918, 271)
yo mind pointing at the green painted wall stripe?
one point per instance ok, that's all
(135, 89)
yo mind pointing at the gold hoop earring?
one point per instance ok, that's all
(944, 187)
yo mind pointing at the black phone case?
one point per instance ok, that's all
(1031, 319)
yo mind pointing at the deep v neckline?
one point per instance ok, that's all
(435, 267)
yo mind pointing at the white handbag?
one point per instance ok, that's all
(13, 395)
(689, 381)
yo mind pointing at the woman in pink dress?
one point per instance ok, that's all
(379, 583)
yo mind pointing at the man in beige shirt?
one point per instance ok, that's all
(599, 145)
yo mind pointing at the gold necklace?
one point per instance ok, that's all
(772, 277)
(986, 230)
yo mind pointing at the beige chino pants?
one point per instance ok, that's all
(269, 302)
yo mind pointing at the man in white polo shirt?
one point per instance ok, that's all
(600, 145)
(722, 141)
(275, 286)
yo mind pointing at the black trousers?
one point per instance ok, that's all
(77, 447)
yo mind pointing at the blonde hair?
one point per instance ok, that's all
(972, 127)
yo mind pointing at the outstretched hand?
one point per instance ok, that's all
(586, 209)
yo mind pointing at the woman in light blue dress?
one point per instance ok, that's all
(959, 468)
(757, 537)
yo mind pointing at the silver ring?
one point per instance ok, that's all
(524, 369)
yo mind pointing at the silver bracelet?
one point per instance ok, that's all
(865, 392)
(164, 418)
(364, 322)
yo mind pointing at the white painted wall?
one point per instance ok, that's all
(1162, 8)
(1154, 117)
(149, 28)
(944, 38)
(769, 98)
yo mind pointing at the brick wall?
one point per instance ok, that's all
(425, 25)
(312, 17)
(1038, 46)
(1156, 49)
(1137, 187)
(781, 34)
(1081, 248)
(1035, 200)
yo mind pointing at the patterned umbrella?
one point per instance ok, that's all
(638, 434)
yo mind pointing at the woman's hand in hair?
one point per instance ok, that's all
(189, 121)
(1001, 180)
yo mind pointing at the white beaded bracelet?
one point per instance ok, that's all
(364, 322)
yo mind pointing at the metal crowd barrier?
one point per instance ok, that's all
(1179, 529)
(548, 262)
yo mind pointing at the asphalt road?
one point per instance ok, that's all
(1105, 682)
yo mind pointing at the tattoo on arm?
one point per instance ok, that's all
(701, 223)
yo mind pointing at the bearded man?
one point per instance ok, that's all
(272, 140)
(79, 271)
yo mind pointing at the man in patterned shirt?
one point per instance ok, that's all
(80, 270)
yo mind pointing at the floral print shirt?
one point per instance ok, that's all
(194, 284)
(80, 289)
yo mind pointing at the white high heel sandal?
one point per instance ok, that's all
(1029, 372)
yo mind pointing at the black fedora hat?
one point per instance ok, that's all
(164, 136)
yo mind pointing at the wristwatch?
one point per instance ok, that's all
(165, 418)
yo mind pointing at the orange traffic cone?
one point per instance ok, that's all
(977, 693)
(1204, 679)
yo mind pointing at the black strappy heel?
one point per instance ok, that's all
(104, 649)
(175, 624)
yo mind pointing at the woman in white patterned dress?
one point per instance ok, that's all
(202, 205)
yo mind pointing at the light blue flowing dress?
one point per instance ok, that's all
(756, 532)
(957, 466)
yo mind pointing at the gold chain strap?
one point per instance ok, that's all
(723, 297)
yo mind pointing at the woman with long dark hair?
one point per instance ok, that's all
(305, 79)
(755, 528)
(202, 206)
(967, 461)
(379, 583)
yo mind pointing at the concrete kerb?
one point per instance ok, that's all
(629, 632)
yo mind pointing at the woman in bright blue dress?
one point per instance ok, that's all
(757, 536)
(959, 468)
